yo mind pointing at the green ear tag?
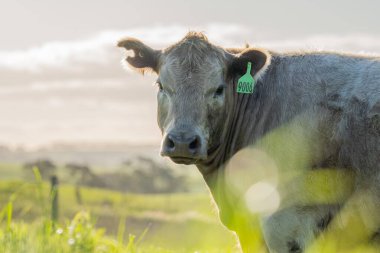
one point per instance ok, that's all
(246, 83)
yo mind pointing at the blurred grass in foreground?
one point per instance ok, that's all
(78, 236)
(118, 222)
(131, 223)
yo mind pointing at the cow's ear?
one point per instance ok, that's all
(144, 58)
(237, 65)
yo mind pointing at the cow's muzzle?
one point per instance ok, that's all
(184, 147)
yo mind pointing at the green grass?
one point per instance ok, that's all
(9, 171)
(109, 221)
(163, 223)
(78, 236)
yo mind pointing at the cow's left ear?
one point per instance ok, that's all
(144, 58)
(259, 58)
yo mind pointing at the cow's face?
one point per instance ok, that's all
(195, 91)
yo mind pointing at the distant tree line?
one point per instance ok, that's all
(140, 175)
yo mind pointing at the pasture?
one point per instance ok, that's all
(111, 221)
(106, 221)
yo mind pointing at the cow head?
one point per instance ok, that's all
(195, 90)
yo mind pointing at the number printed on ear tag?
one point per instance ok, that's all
(246, 83)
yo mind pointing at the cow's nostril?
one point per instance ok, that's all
(170, 143)
(194, 144)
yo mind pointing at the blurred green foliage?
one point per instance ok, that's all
(181, 222)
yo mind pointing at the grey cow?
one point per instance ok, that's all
(309, 112)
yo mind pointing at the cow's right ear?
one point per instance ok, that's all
(144, 58)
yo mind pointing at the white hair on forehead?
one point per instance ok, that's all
(208, 69)
(193, 52)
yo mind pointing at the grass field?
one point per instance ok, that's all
(107, 221)
(99, 220)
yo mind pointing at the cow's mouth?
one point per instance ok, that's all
(183, 160)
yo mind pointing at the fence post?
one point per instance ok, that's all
(54, 198)
(78, 195)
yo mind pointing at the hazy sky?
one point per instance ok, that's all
(25, 23)
(60, 73)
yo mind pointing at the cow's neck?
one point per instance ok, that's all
(247, 118)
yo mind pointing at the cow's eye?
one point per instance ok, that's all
(219, 91)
